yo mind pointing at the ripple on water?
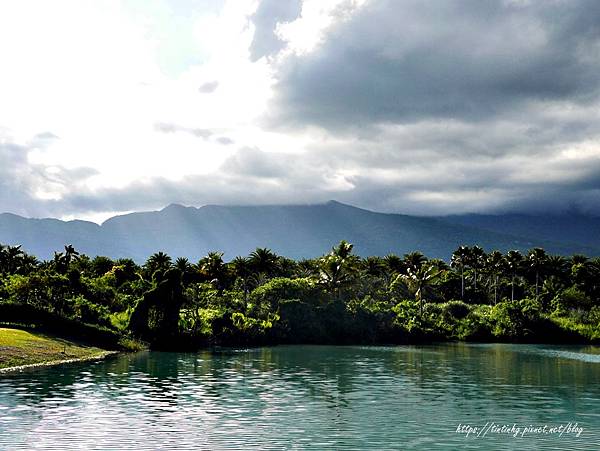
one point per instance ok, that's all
(315, 397)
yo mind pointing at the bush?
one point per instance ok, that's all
(456, 309)
(514, 320)
(271, 293)
(571, 299)
(88, 312)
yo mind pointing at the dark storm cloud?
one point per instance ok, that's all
(408, 60)
(441, 107)
(268, 14)
(512, 182)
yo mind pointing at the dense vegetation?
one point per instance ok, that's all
(337, 298)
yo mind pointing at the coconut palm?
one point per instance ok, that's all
(307, 268)
(373, 266)
(495, 266)
(213, 268)
(11, 258)
(393, 263)
(419, 280)
(336, 268)
(514, 261)
(460, 259)
(476, 257)
(414, 260)
(70, 254)
(537, 260)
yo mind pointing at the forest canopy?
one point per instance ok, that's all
(339, 297)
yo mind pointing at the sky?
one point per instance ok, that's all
(411, 106)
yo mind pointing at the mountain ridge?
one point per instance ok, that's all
(296, 231)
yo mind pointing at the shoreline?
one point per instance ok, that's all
(16, 369)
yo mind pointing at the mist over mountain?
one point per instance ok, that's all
(296, 231)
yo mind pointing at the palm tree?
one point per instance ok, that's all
(537, 259)
(460, 258)
(559, 267)
(476, 258)
(187, 269)
(334, 268)
(394, 263)
(28, 264)
(70, 254)
(414, 260)
(10, 258)
(373, 266)
(514, 260)
(333, 273)
(496, 265)
(213, 268)
(419, 280)
(183, 265)
(242, 270)
(158, 261)
(578, 259)
(439, 264)
(307, 268)
(264, 261)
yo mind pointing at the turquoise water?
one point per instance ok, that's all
(310, 397)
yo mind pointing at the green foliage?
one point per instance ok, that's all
(268, 296)
(456, 309)
(569, 299)
(88, 312)
(514, 319)
(336, 298)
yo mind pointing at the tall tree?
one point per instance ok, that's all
(476, 256)
(514, 261)
(414, 260)
(70, 254)
(460, 259)
(537, 260)
(11, 258)
(495, 266)
(241, 269)
(158, 261)
(419, 280)
(335, 268)
(213, 269)
(264, 261)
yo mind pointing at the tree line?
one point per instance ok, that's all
(338, 297)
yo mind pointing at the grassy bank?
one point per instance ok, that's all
(21, 347)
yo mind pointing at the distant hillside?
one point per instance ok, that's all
(293, 231)
(567, 228)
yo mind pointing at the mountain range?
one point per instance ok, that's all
(298, 231)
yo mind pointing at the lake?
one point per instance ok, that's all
(312, 397)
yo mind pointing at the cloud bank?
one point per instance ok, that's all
(421, 107)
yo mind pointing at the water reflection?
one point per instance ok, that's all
(298, 397)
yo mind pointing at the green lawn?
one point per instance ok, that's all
(20, 347)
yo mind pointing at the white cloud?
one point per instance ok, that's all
(393, 105)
